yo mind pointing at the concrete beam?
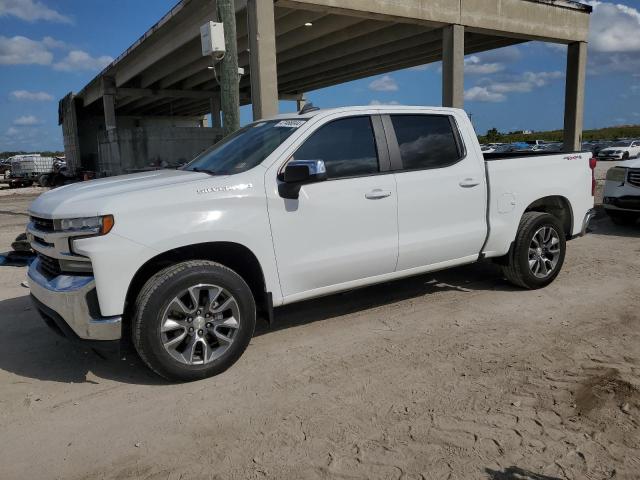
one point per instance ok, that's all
(109, 102)
(123, 92)
(325, 33)
(375, 50)
(264, 76)
(530, 20)
(433, 13)
(574, 96)
(453, 66)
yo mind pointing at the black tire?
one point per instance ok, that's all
(517, 269)
(43, 180)
(154, 299)
(623, 218)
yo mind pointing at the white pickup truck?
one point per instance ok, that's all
(290, 208)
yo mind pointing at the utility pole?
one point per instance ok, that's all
(229, 76)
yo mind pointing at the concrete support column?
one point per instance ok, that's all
(574, 96)
(215, 112)
(262, 45)
(109, 102)
(453, 66)
(301, 102)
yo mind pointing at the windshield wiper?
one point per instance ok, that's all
(204, 170)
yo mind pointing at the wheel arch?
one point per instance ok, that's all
(232, 255)
(559, 207)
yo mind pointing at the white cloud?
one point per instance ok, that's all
(20, 50)
(31, 11)
(77, 60)
(483, 94)
(378, 102)
(614, 38)
(31, 96)
(490, 90)
(50, 42)
(474, 65)
(384, 84)
(12, 132)
(523, 83)
(421, 68)
(26, 121)
(614, 28)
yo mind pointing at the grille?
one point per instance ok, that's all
(49, 266)
(42, 224)
(633, 176)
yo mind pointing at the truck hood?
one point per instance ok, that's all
(86, 198)
(635, 163)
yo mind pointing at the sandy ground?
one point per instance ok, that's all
(449, 375)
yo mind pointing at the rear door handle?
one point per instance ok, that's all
(377, 194)
(469, 182)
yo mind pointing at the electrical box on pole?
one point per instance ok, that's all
(212, 38)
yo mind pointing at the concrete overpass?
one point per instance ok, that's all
(288, 47)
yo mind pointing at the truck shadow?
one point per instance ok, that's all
(602, 225)
(515, 473)
(480, 276)
(35, 351)
(31, 350)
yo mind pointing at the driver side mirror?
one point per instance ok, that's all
(298, 173)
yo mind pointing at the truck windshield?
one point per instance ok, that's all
(244, 149)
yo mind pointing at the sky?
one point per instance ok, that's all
(49, 48)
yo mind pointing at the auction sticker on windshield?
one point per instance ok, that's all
(290, 124)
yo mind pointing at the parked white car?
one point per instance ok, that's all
(622, 192)
(623, 150)
(290, 208)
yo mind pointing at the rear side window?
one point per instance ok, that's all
(347, 146)
(426, 141)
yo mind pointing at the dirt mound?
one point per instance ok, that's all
(608, 389)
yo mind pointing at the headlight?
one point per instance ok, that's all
(91, 225)
(616, 174)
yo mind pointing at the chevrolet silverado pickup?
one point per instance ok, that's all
(180, 262)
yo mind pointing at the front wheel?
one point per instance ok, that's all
(193, 320)
(537, 255)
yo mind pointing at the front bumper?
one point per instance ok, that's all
(629, 203)
(72, 300)
(610, 156)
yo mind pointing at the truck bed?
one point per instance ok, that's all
(507, 155)
(522, 178)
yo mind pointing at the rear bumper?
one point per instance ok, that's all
(71, 299)
(590, 215)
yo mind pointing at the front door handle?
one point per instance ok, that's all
(469, 182)
(377, 194)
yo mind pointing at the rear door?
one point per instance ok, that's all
(441, 191)
(343, 229)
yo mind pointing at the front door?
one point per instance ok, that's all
(343, 229)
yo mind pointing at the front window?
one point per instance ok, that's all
(244, 149)
(621, 144)
(347, 147)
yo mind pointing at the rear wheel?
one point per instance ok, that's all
(193, 320)
(537, 255)
(43, 180)
(623, 218)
